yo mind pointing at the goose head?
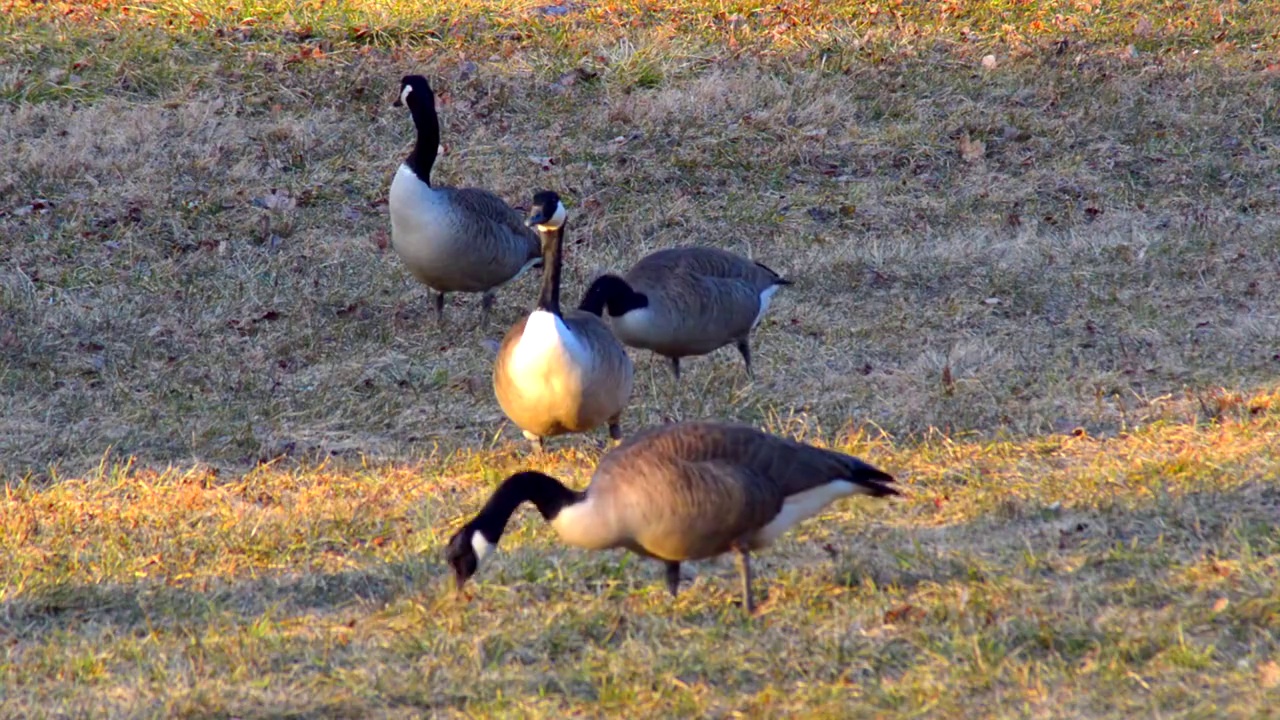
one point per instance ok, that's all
(415, 92)
(466, 550)
(546, 213)
(612, 292)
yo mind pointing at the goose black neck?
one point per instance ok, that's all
(612, 292)
(545, 492)
(552, 245)
(425, 120)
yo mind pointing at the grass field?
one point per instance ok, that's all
(1036, 255)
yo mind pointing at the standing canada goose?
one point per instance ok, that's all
(676, 492)
(452, 239)
(686, 301)
(558, 373)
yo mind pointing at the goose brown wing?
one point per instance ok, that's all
(480, 203)
(704, 261)
(680, 510)
(791, 466)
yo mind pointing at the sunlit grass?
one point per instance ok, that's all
(1035, 255)
(1067, 574)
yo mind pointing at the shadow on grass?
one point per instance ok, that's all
(197, 604)
(1150, 543)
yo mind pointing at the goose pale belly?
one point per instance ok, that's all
(554, 382)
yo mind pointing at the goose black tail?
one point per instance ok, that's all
(871, 480)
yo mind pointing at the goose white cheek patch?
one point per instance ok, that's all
(557, 220)
(481, 547)
(404, 94)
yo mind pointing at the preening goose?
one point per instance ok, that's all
(677, 492)
(452, 239)
(560, 373)
(686, 301)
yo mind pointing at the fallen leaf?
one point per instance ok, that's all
(573, 77)
(1269, 674)
(1220, 604)
(992, 301)
(275, 200)
(546, 163)
(381, 240)
(902, 613)
(989, 62)
(40, 206)
(948, 383)
(971, 150)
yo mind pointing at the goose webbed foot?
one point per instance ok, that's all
(675, 367)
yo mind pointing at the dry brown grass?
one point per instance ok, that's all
(985, 259)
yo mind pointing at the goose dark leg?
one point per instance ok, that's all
(486, 305)
(675, 367)
(615, 427)
(440, 308)
(744, 563)
(673, 578)
(744, 348)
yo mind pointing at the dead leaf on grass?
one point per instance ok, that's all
(571, 78)
(39, 206)
(276, 200)
(971, 150)
(903, 613)
(546, 163)
(1269, 674)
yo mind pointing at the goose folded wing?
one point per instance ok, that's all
(482, 203)
(701, 508)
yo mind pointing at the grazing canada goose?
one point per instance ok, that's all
(452, 239)
(676, 492)
(558, 373)
(686, 301)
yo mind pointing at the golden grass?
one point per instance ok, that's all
(1038, 287)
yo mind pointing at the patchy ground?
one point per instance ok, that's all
(1004, 224)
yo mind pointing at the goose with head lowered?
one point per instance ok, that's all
(452, 239)
(686, 301)
(559, 372)
(677, 492)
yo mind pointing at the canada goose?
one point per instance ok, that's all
(558, 373)
(686, 301)
(452, 239)
(677, 492)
